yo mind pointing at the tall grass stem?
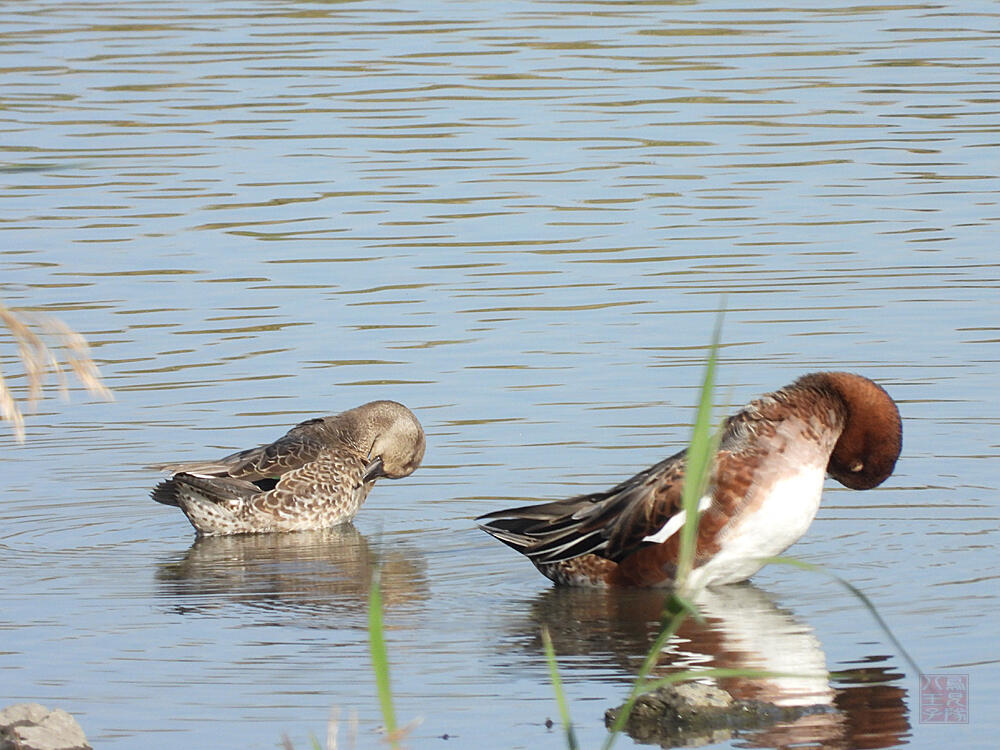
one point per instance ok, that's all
(678, 608)
(700, 455)
(380, 658)
(550, 657)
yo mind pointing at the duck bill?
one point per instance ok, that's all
(373, 470)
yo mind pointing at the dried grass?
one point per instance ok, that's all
(30, 332)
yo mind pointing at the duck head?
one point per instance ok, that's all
(866, 452)
(396, 440)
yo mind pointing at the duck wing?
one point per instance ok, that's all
(302, 445)
(611, 524)
(335, 479)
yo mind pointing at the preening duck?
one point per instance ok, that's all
(764, 491)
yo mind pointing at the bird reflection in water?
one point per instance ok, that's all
(862, 706)
(306, 573)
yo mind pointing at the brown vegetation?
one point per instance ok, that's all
(30, 332)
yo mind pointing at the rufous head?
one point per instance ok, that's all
(866, 452)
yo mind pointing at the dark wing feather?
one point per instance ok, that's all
(527, 527)
(611, 524)
(218, 489)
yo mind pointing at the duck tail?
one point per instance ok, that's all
(549, 532)
(210, 503)
(215, 489)
(166, 492)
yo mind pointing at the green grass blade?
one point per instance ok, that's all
(550, 657)
(380, 659)
(700, 454)
(801, 564)
(699, 462)
(678, 608)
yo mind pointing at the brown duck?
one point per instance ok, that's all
(315, 477)
(764, 491)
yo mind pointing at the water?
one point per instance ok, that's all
(519, 220)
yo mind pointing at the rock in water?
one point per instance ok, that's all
(692, 714)
(30, 726)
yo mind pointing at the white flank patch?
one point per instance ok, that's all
(782, 517)
(672, 526)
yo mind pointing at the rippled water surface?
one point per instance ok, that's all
(518, 219)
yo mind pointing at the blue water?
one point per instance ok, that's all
(519, 220)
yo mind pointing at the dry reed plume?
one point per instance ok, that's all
(29, 332)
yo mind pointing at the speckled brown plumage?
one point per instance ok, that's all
(314, 477)
(840, 423)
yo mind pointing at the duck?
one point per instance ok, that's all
(314, 477)
(764, 489)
